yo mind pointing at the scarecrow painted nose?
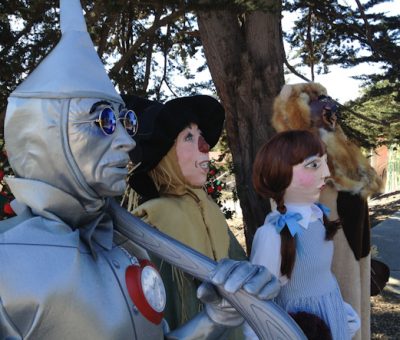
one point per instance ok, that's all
(203, 145)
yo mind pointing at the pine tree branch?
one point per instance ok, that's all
(310, 44)
(294, 71)
(142, 38)
(367, 29)
(359, 115)
(149, 55)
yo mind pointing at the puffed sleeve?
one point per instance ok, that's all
(266, 250)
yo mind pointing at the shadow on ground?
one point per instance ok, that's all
(385, 316)
(383, 206)
(385, 308)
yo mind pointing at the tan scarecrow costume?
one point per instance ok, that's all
(353, 180)
(173, 205)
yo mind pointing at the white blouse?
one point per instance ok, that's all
(266, 248)
(266, 251)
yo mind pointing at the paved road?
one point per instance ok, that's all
(386, 236)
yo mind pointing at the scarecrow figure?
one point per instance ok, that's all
(172, 163)
(353, 180)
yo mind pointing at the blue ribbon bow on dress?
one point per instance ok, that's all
(325, 210)
(290, 219)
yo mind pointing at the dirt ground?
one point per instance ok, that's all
(383, 206)
(385, 307)
(385, 316)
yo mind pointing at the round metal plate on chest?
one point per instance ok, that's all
(146, 289)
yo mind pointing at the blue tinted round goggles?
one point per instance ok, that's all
(107, 121)
(130, 121)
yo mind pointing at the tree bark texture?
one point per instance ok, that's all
(245, 57)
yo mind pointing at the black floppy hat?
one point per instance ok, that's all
(160, 124)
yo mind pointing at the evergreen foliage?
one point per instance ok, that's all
(380, 106)
(142, 43)
(145, 44)
(330, 33)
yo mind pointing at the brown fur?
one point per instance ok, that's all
(291, 110)
(350, 169)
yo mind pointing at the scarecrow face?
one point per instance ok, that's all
(192, 152)
(308, 180)
(102, 158)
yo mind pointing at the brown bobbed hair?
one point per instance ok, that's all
(273, 172)
(273, 166)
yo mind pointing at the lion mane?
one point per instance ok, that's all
(350, 169)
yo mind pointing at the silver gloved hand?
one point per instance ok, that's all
(232, 275)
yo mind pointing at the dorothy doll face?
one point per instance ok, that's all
(308, 180)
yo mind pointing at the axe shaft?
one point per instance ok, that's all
(267, 319)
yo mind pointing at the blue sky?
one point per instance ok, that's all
(339, 82)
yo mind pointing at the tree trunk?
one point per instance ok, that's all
(245, 58)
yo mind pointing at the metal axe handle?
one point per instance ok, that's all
(267, 319)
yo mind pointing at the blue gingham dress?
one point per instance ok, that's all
(312, 287)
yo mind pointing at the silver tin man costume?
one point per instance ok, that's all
(62, 277)
(63, 272)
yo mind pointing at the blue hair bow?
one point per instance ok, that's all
(325, 210)
(290, 219)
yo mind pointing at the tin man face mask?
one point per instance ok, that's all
(85, 156)
(102, 158)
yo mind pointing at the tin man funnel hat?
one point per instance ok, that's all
(40, 112)
(72, 69)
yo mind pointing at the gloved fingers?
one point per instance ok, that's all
(258, 281)
(255, 279)
(226, 315)
(223, 270)
(240, 275)
(271, 290)
(225, 305)
(207, 293)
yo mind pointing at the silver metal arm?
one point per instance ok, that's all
(267, 319)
